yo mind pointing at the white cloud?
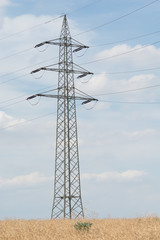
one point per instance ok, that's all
(103, 87)
(25, 180)
(119, 49)
(7, 120)
(137, 138)
(26, 40)
(106, 83)
(138, 81)
(123, 176)
(138, 55)
(139, 134)
(97, 83)
(4, 3)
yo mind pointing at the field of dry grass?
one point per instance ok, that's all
(106, 229)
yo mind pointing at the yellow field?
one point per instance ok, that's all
(106, 229)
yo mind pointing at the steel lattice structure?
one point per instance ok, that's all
(67, 202)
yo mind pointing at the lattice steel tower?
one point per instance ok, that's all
(67, 202)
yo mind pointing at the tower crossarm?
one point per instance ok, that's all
(85, 99)
(76, 70)
(73, 43)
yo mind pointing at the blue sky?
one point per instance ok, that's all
(119, 157)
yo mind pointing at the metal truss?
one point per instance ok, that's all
(67, 202)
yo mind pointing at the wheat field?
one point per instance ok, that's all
(106, 229)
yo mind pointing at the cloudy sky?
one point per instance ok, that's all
(120, 154)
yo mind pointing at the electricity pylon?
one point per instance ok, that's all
(67, 202)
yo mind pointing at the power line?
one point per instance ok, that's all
(109, 101)
(78, 9)
(106, 73)
(46, 22)
(54, 19)
(51, 20)
(121, 54)
(16, 53)
(129, 90)
(131, 71)
(41, 62)
(24, 68)
(6, 106)
(33, 27)
(97, 95)
(125, 40)
(12, 104)
(78, 34)
(12, 79)
(109, 73)
(101, 59)
(45, 115)
(25, 121)
(29, 120)
(119, 18)
(123, 102)
(92, 46)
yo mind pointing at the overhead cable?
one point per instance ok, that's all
(22, 96)
(92, 46)
(101, 59)
(16, 53)
(29, 120)
(121, 54)
(78, 9)
(125, 40)
(129, 90)
(117, 19)
(47, 22)
(24, 68)
(81, 93)
(123, 102)
(33, 27)
(130, 71)
(25, 121)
